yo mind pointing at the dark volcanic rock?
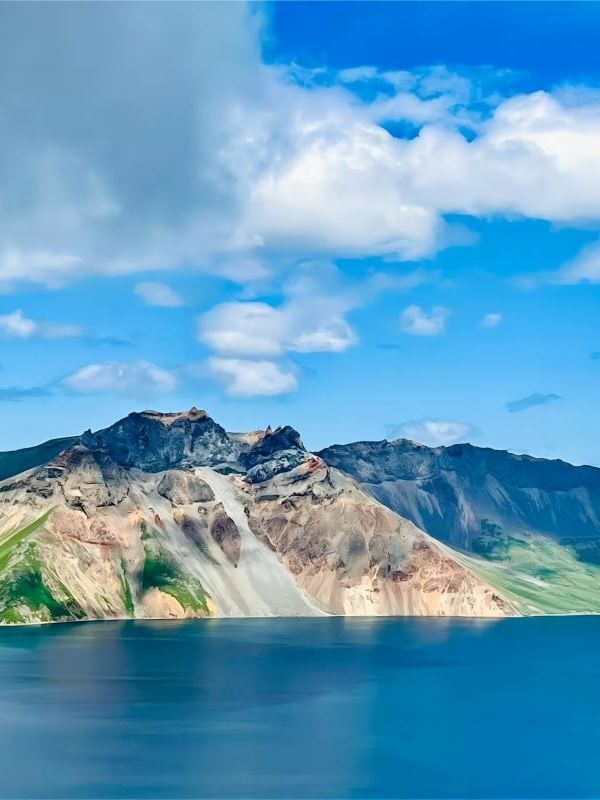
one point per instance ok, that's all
(278, 451)
(474, 497)
(153, 442)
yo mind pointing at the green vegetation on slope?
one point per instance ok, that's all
(9, 540)
(24, 587)
(541, 576)
(126, 591)
(162, 572)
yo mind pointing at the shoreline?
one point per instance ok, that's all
(179, 620)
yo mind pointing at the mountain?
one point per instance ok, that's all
(13, 462)
(169, 516)
(529, 526)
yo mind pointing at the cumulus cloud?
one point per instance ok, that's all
(252, 377)
(139, 378)
(531, 400)
(418, 322)
(17, 326)
(259, 329)
(491, 320)
(433, 432)
(155, 293)
(339, 191)
(309, 319)
(135, 154)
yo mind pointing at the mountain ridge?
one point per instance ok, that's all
(168, 514)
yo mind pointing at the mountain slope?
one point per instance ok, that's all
(168, 515)
(534, 523)
(12, 462)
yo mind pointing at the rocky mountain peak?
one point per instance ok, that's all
(155, 441)
(277, 451)
(169, 417)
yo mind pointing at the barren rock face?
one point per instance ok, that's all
(76, 525)
(357, 557)
(226, 534)
(90, 480)
(183, 488)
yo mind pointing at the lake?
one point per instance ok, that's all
(302, 708)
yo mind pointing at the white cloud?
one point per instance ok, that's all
(357, 74)
(38, 266)
(140, 378)
(309, 319)
(339, 190)
(251, 378)
(433, 432)
(305, 322)
(259, 329)
(221, 159)
(243, 328)
(491, 320)
(17, 326)
(154, 293)
(418, 322)
(584, 268)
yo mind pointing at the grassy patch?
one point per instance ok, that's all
(126, 591)
(11, 616)
(9, 540)
(541, 576)
(25, 586)
(492, 542)
(161, 572)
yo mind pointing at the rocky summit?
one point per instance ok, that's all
(168, 515)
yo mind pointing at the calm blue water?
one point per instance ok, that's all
(321, 708)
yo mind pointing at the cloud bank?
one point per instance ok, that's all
(173, 142)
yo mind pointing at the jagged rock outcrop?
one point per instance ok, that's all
(184, 488)
(153, 441)
(275, 452)
(168, 515)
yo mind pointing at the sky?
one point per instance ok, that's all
(365, 220)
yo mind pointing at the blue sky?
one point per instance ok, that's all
(365, 220)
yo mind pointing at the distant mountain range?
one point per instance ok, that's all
(170, 516)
